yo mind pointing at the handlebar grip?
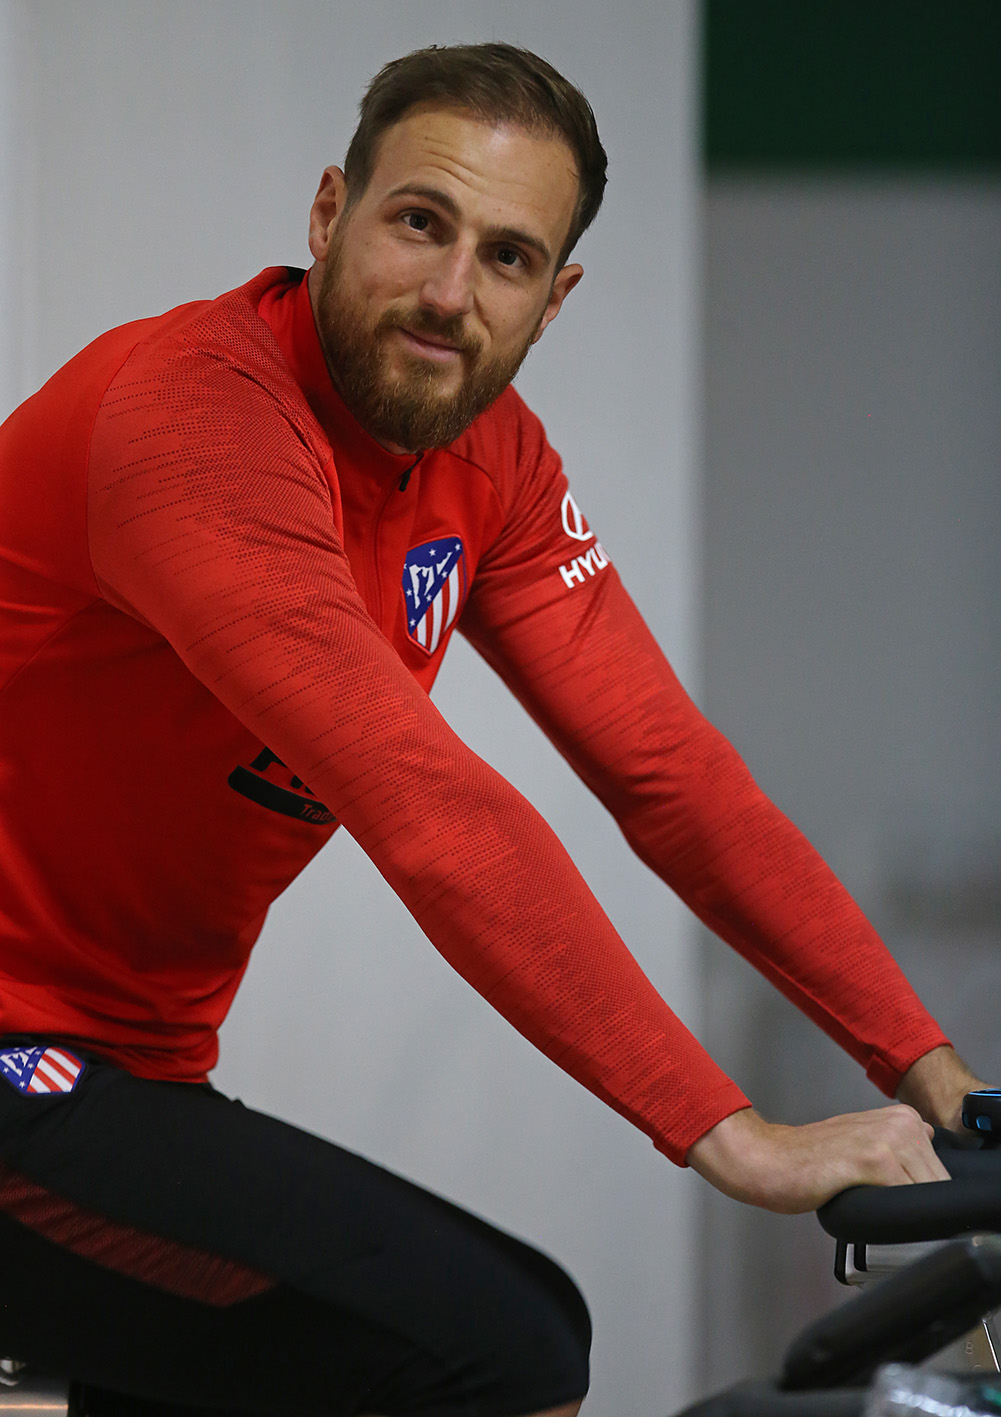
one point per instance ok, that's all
(893, 1215)
(934, 1210)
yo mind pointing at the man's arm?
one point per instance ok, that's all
(568, 641)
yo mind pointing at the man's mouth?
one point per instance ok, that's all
(430, 346)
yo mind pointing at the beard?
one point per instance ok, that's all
(409, 409)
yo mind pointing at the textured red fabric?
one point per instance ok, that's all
(202, 579)
(185, 1270)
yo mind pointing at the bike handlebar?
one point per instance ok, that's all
(934, 1210)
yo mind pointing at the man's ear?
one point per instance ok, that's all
(565, 281)
(328, 206)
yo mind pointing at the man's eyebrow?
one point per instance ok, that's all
(450, 206)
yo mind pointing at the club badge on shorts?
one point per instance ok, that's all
(434, 584)
(41, 1071)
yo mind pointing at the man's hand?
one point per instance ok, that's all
(792, 1169)
(935, 1086)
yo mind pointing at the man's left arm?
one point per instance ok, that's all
(550, 614)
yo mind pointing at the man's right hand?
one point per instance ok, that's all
(792, 1169)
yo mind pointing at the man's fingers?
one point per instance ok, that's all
(920, 1162)
(923, 1170)
(903, 1152)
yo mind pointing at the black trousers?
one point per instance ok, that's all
(161, 1241)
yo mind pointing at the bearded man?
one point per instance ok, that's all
(237, 540)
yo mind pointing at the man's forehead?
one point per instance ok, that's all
(412, 118)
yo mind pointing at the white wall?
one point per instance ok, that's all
(170, 150)
(13, 97)
(853, 631)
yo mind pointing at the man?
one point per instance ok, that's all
(236, 541)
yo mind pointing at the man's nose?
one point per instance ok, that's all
(449, 286)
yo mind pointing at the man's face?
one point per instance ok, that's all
(430, 288)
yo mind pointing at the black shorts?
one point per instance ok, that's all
(162, 1241)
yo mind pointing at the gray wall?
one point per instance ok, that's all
(852, 631)
(165, 151)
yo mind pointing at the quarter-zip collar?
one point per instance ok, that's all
(289, 312)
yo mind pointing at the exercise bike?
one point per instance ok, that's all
(927, 1260)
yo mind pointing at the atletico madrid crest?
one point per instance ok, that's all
(41, 1070)
(434, 586)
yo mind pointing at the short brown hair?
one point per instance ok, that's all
(494, 81)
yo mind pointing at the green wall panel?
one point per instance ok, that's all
(849, 84)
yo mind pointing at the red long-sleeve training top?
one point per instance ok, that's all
(222, 608)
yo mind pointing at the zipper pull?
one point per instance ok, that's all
(405, 479)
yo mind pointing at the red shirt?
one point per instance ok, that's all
(222, 608)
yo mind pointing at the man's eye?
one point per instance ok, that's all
(417, 221)
(508, 256)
